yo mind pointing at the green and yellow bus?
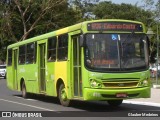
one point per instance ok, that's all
(104, 60)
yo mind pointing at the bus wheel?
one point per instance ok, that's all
(24, 92)
(63, 96)
(115, 103)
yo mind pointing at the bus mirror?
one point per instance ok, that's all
(81, 40)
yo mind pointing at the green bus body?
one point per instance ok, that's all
(71, 73)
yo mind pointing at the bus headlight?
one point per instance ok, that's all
(145, 83)
(95, 84)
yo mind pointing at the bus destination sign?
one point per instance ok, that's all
(114, 26)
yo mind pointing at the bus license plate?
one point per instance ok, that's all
(121, 95)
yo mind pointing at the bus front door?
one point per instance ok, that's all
(15, 57)
(77, 75)
(42, 66)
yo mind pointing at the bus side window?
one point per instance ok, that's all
(62, 47)
(9, 57)
(52, 48)
(30, 53)
(22, 55)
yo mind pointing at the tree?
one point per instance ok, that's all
(154, 7)
(22, 19)
(27, 18)
(109, 10)
(28, 14)
(3, 42)
(82, 7)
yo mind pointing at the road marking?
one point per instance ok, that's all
(26, 98)
(28, 105)
(142, 103)
(31, 99)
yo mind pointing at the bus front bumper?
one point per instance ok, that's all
(109, 94)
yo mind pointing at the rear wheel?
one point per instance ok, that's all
(62, 95)
(24, 92)
(115, 103)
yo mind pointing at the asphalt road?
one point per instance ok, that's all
(12, 101)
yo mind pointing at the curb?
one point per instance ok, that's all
(142, 103)
(156, 86)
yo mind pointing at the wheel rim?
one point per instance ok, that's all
(63, 94)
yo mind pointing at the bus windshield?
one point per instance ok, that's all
(116, 52)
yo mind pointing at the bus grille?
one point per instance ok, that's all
(124, 84)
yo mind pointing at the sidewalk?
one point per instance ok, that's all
(154, 100)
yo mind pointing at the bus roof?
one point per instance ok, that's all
(75, 27)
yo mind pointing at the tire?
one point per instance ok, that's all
(63, 96)
(115, 103)
(24, 91)
(5, 77)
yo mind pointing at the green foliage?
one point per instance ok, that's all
(154, 7)
(22, 19)
(109, 10)
(28, 18)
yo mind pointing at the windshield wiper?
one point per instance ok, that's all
(125, 41)
(126, 51)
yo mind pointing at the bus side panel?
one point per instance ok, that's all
(12, 82)
(10, 78)
(85, 73)
(29, 74)
(50, 79)
(61, 73)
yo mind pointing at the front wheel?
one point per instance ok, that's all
(115, 103)
(62, 95)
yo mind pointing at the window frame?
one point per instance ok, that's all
(31, 52)
(50, 49)
(9, 61)
(60, 49)
(22, 55)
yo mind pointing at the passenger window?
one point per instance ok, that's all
(30, 57)
(62, 47)
(9, 57)
(22, 55)
(52, 49)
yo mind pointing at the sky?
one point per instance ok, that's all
(133, 2)
(126, 1)
(115, 1)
